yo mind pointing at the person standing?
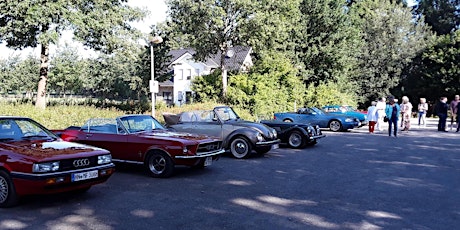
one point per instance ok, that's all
(453, 111)
(392, 111)
(458, 116)
(422, 108)
(406, 113)
(441, 111)
(380, 107)
(372, 116)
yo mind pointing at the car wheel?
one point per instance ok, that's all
(159, 164)
(287, 120)
(240, 147)
(263, 150)
(8, 195)
(296, 139)
(335, 126)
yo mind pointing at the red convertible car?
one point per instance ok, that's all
(35, 161)
(143, 140)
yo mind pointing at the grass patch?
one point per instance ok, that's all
(62, 116)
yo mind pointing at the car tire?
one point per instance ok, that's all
(335, 126)
(263, 150)
(240, 148)
(287, 120)
(296, 139)
(159, 165)
(8, 196)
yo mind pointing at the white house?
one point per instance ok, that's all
(178, 90)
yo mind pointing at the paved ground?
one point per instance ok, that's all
(350, 180)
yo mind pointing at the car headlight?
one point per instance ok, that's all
(260, 137)
(348, 119)
(45, 167)
(104, 159)
(275, 134)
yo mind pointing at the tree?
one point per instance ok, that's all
(442, 15)
(68, 71)
(326, 43)
(99, 24)
(17, 75)
(391, 38)
(212, 27)
(436, 71)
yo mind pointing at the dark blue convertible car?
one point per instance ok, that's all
(315, 116)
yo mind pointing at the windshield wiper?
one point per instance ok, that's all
(36, 136)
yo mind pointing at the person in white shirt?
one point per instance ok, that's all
(406, 113)
(380, 106)
(422, 108)
(372, 116)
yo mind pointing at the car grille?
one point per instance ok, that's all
(209, 147)
(78, 163)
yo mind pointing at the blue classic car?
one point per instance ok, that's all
(315, 116)
(346, 110)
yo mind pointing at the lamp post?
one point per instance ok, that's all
(153, 84)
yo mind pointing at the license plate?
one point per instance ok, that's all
(275, 146)
(85, 175)
(208, 161)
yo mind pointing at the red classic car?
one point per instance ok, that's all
(35, 161)
(143, 140)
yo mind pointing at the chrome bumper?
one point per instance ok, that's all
(277, 141)
(207, 154)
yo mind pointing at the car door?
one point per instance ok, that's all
(207, 123)
(114, 140)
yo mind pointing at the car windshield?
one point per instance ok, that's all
(140, 123)
(12, 129)
(317, 111)
(226, 113)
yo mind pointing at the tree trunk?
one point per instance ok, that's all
(41, 91)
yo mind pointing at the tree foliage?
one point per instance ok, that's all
(99, 24)
(436, 71)
(442, 15)
(391, 39)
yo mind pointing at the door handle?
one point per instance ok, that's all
(89, 135)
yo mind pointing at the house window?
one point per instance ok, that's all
(180, 74)
(188, 74)
(197, 72)
(167, 97)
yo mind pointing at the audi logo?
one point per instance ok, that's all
(81, 163)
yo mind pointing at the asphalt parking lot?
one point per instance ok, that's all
(349, 180)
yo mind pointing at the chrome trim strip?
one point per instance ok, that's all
(208, 154)
(126, 161)
(277, 141)
(55, 174)
(317, 137)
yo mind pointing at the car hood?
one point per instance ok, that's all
(265, 130)
(45, 149)
(174, 136)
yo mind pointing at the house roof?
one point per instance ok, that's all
(232, 63)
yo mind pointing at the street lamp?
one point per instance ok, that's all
(153, 84)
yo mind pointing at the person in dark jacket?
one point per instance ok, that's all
(441, 110)
(392, 111)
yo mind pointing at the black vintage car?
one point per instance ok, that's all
(240, 137)
(295, 135)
